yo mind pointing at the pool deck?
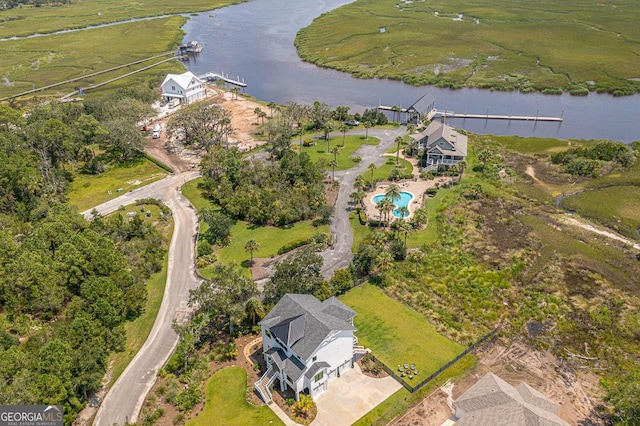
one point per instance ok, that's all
(416, 187)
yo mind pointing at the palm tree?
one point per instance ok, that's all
(396, 113)
(262, 116)
(372, 168)
(272, 106)
(398, 141)
(416, 257)
(382, 263)
(257, 112)
(357, 197)
(333, 164)
(327, 133)
(386, 207)
(254, 309)
(393, 193)
(235, 91)
(405, 228)
(367, 125)
(359, 183)
(403, 211)
(344, 129)
(378, 239)
(335, 150)
(411, 128)
(251, 247)
(412, 145)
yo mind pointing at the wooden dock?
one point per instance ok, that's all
(212, 76)
(451, 114)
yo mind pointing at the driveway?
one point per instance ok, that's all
(352, 396)
(339, 255)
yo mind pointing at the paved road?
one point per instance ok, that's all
(339, 255)
(124, 400)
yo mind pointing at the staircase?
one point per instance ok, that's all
(263, 385)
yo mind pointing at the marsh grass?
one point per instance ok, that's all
(40, 61)
(550, 46)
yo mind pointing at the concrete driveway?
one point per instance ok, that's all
(352, 396)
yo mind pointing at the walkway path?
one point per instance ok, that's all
(124, 400)
(339, 255)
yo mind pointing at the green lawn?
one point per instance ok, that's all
(396, 334)
(88, 191)
(226, 403)
(351, 144)
(430, 233)
(192, 191)
(270, 238)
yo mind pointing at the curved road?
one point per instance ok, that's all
(125, 398)
(339, 255)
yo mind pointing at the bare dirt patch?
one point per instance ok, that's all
(576, 391)
(243, 120)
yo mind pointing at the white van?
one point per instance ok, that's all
(157, 130)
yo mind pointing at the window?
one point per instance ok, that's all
(318, 377)
(314, 359)
(173, 87)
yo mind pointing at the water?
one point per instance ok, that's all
(254, 41)
(404, 201)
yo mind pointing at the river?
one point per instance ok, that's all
(254, 41)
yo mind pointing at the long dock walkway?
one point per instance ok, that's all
(451, 114)
(212, 76)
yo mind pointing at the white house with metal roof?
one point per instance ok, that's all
(493, 402)
(306, 343)
(185, 87)
(442, 145)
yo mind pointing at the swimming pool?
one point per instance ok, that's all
(404, 201)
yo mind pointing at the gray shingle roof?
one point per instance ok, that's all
(335, 307)
(494, 402)
(319, 321)
(317, 366)
(290, 365)
(436, 130)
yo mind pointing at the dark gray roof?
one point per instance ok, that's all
(335, 307)
(317, 366)
(436, 130)
(423, 104)
(290, 365)
(290, 330)
(494, 402)
(304, 315)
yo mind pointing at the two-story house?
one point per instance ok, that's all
(442, 145)
(306, 344)
(185, 88)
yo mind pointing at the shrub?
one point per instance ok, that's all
(188, 398)
(293, 245)
(204, 248)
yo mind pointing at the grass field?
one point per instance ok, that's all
(351, 144)
(396, 334)
(605, 206)
(270, 238)
(87, 191)
(569, 46)
(226, 404)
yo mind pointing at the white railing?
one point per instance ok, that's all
(359, 350)
(263, 388)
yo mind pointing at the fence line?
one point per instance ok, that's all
(436, 373)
